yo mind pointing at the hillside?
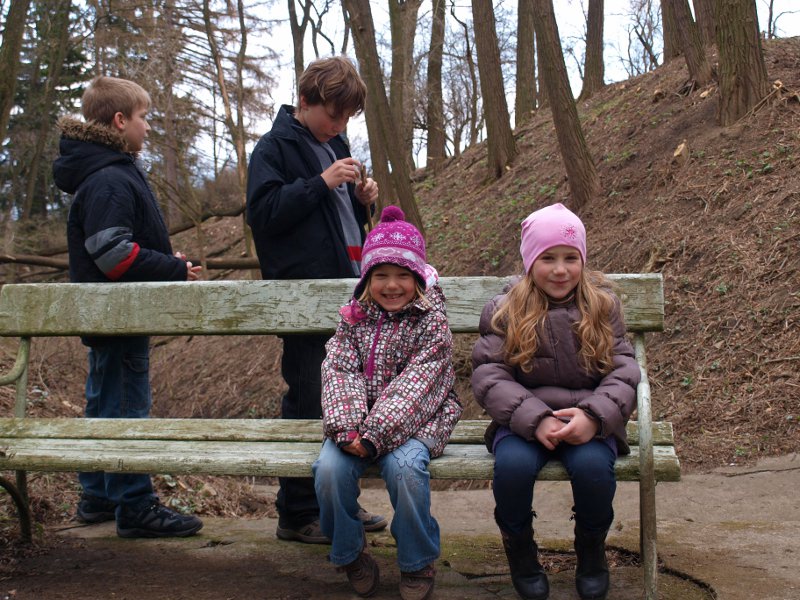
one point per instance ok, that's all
(722, 227)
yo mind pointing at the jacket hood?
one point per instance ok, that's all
(85, 148)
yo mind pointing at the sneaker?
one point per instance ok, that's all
(92, 509)
(417, 585)
(372, 522)
(156, 521)
(307, 534)
(363, 575)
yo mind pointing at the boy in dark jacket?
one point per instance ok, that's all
(116, 232)
(307, 207)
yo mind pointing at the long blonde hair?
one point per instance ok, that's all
(522, 317)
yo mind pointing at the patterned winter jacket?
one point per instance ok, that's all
(389, 376)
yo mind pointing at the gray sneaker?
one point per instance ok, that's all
(372, 522)
(307, 534)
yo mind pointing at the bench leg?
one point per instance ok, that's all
(23, 510)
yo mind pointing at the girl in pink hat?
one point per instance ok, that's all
(387, 399)
(556, 374)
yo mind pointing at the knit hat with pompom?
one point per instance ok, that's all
(394, 241)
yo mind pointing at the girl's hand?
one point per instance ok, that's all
(580, 429)
(356, 448)
(547, 432)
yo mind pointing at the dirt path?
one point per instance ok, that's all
(733, 533)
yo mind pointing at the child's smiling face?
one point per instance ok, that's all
(392, 287)
(557, 270)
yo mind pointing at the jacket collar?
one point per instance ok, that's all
(93, 132)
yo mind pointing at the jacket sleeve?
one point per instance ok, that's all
(614, 398)
(108, 211)
(344, 391)
(277, 198)
(415, 395)
(507, 401)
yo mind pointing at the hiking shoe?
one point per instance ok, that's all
(156, 521)
(372, 522)
(307, 534)
(417, 585)
(363, 575)
(92, 509)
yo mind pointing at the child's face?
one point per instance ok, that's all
(134, 128)
(392, 287)
(322, 120)
(557, 271)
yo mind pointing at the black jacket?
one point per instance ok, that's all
(296, 228)
(115, 229)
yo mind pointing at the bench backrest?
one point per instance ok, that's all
(253, 307)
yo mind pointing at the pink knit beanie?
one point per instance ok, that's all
(551, 226)
(394, 241)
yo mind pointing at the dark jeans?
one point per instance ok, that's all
(301, 369)
(118, 386)
(591, 472)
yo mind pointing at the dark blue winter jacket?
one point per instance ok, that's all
(296, 229)
(115, 228)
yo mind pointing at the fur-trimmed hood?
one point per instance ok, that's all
(85, 148)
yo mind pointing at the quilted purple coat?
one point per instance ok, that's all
(389, 376)
(521, 400)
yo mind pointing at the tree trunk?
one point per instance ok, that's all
(584, 182)
(742, 72)
(363, 31)
(403, 24)
(594, 69)
(298, 35)
(691, 43)
(502, 149)
(525, 101)
(669, 28)
(57, 31)
(435, 105)
(706, 23)
(9, 57)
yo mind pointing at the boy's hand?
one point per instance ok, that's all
(367, 191)
(192, 272)
(580, 429)
(344, 170)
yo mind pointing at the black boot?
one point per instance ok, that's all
(591, 574)
(527, 574)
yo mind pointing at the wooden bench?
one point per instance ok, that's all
(271, 447)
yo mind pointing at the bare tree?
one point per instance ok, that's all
(584, 181)
(691, 42)
(502, 149)
(380, 125)
(298, 28)
(594, 71)
(742, 72)
(640, 55)
(435, 101)
(525, 99)
(669, 28)
(403, 22)
(704, 16)
(474, 116)
(772, 18)
(9, 57)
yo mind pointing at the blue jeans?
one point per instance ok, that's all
(118, 386)
(405, 472)
(591, 471)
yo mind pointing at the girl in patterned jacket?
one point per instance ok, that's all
(388, 399)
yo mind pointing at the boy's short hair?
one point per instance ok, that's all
(106, 96)
(333, 81)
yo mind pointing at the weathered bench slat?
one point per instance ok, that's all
(252, 307)
(264, 430)
(276, 459)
